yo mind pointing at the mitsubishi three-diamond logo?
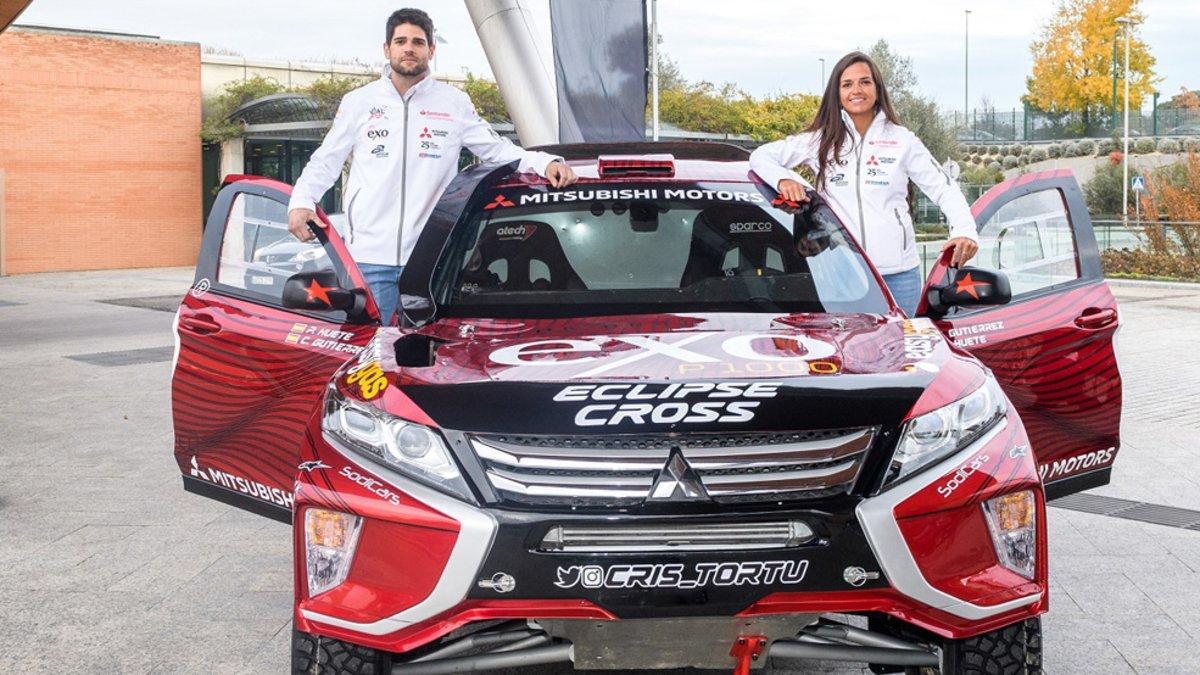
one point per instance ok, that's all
(677, 481)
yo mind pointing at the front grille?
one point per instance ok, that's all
(623, 469)
(662, 538)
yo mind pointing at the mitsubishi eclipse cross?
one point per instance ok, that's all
(661, 418)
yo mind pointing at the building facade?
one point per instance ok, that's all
(99, 151)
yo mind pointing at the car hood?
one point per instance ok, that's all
(703, 372)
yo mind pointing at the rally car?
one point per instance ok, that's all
(661, 418)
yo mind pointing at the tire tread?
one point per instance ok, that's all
(315, 655)
(1012, 650)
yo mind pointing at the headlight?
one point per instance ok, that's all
(330, 538)
(942, 432)
(1012, 522)
(412, 449)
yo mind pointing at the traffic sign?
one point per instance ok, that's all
(1139, 183)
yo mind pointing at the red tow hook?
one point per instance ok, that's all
(746, 649)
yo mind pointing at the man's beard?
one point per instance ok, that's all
(420, 68)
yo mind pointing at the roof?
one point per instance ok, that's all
(680, 149)
(694, 161)
(286, 115)
(98, 34)
(278, 108)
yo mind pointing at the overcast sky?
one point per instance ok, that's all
(763, 46)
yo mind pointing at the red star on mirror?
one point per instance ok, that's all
(968, 285)
(318, 292)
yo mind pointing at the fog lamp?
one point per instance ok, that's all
(330, 538)
(1012, 521)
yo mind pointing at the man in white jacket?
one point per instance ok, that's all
(403, 132)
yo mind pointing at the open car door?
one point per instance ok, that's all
(1051, 347)
(248, 373)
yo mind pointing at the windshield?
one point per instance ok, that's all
(638, 249)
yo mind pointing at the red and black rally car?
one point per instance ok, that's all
(661, 418)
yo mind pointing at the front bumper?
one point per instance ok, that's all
(443, 549)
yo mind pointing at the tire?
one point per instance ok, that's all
(1012, 650)
(315, 655)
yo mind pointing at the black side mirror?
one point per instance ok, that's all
(969, 287)
(319, 291)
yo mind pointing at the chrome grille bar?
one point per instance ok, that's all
(652, 538)
(562, 491)
(760, 482)
(569, 459)
(622, 469)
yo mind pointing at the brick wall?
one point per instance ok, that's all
(100, 149)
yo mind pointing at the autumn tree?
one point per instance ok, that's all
(1072, 60)
(1184, 100)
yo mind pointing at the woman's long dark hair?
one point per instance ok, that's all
(829, 125)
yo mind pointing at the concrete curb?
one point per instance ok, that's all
(1148, 283)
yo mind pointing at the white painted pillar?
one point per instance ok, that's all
(233, 156)
(505, 28)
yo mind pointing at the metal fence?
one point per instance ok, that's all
(1025, 125)
(925, 212)
(1111, 234)
(1114, 234)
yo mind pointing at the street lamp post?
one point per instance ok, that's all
(821, 84)
(966, 63)
(1127, 25)
(654, 68)
(437, 40)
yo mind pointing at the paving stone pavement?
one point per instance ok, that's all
(106, 565)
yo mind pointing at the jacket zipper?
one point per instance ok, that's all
(862, 223)
(903, 230)
(403, 182)
(350, 212)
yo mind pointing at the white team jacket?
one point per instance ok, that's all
(868, 188)
(405, 152)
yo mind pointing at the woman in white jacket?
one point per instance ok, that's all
(863, 160)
